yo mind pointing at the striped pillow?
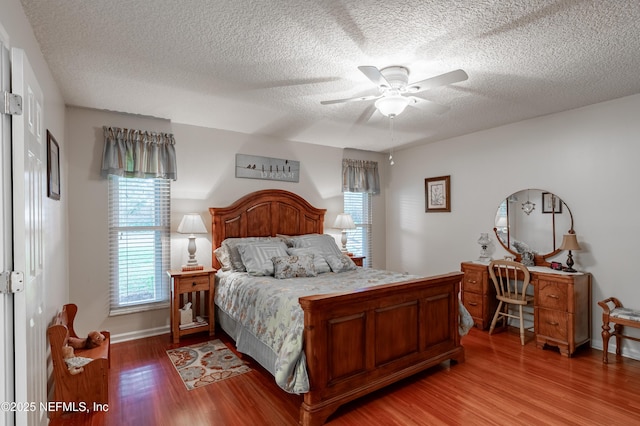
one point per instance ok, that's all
(257, 256)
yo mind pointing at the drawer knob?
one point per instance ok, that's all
(473, 304)
(472, 281)
(193, 284)
(553, 296)
(552, 323)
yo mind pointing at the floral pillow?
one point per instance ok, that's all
(222, 254)
(340, 263)
(320, 264)
(293, 266)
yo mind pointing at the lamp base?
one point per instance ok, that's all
(192, 268)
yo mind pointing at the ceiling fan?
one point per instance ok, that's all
(396, 93)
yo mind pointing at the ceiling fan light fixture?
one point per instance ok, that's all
(391, 106)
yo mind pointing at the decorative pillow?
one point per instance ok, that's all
(323, 242)
(287, 239)
(222, 254)
(294, 266)
(256, 257)
(231, 245)
(341, 263)
(319, 263)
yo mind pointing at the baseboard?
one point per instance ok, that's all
(627, 352)
(139, 334)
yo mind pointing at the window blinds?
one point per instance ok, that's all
(139, 244)
(358, 204)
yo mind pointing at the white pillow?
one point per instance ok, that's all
(257, 257)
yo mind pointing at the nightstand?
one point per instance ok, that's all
(198, 288)
(358, 259)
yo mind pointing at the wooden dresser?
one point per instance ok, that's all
(562, 305)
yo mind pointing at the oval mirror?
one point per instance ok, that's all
(532, 222)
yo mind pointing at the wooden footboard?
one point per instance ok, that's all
(359, 342)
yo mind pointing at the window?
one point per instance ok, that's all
(139, 255)
(358, 204)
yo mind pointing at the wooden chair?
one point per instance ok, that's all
(506, 276)
(620, 317)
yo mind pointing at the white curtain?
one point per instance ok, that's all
(139, 154)
(360, 176)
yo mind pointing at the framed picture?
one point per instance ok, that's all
(267, 168)
(551, 203)
(53, 167)
(437, 193)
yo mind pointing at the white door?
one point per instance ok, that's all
(6, 262)
(29, 190)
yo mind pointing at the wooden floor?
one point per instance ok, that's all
(500, 383)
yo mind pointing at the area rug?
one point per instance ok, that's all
(205, 363)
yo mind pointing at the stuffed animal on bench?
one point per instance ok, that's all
(94, 339)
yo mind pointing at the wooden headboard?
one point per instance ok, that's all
(264, 214)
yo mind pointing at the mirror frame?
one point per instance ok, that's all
(539, 259)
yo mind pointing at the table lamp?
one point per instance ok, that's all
(569, 242)
(344, 221)
(192, 224)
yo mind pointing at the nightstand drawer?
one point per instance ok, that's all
(189, 284)
(552, 295)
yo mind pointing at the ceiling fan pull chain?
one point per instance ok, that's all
(391, 162)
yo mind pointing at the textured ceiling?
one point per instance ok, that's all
(262, 67)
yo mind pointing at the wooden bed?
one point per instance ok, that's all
(355, 343)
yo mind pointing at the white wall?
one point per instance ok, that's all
(206, 178)
(588, 157)
(20, 34)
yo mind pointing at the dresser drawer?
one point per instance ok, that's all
(189, 284)
(473, 303)
(472, 281)
(552, 295)
(552, 324)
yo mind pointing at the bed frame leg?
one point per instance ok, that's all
(315, 417)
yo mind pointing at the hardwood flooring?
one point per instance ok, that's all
(500, 383)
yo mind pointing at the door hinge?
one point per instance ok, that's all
(12, 104)
(11, 282)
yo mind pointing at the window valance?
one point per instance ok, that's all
(139, 154)
(360, 176)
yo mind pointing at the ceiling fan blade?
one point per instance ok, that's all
(437, 81)
(427, 106)
(357, 98)
(366, 114)
(374, 75)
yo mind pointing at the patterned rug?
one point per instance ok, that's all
(206, 363)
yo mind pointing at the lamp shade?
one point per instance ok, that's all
(392, 105)
(569, 242)
(344, 221)
(192, 224)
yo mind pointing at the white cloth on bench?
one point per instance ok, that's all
(625, 314)
(77, 361)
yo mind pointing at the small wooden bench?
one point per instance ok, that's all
(620, 317)
(91, 386)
